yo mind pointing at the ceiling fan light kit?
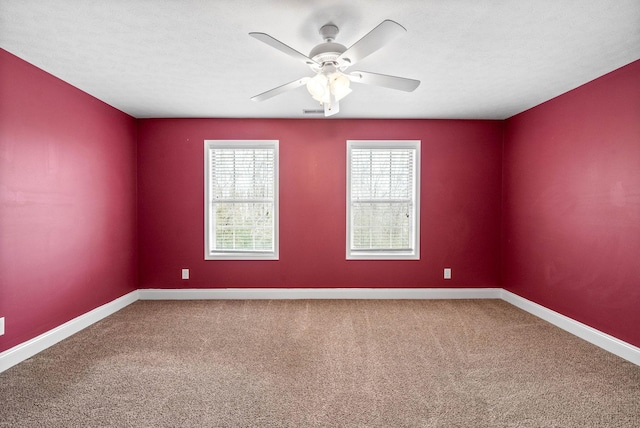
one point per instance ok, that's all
(323, 86)
(329, 60)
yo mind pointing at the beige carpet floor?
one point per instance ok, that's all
(322, 363)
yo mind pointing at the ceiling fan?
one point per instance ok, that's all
(329, 61)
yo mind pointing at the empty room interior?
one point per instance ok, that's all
(320, 213)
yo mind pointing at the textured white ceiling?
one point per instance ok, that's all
(194, 58)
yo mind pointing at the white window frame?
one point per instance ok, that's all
(412, 253)
(209, 228)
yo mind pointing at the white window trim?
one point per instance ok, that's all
(414, 253)
(248, 255)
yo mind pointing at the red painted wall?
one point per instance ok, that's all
(570, 203)
(460, 214)
(67, 202)
(571, 232)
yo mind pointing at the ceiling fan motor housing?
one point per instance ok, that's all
(329, 51)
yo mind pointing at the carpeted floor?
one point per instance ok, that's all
(328, 363)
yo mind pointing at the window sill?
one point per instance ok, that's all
(382, 256)
(241, 256)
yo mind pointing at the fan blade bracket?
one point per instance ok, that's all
(343, 63)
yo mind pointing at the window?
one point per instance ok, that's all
(241, 200)
(383, 205)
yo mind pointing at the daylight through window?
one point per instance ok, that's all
(241, 201)
(383, 199)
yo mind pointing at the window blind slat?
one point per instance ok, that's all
(242, 173)
(382, 173)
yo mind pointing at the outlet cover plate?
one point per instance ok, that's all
(185, 273)
(447, 273)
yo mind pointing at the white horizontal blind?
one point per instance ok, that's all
(242, 199)
(382, 199)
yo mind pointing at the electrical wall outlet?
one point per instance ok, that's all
(1, 326)
(447, 273)
(185, 273)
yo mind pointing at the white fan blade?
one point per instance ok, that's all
(393, 82)
(280, 89)
(275, 43)
(378, 37)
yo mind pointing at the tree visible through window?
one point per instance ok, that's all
(241, 200)
(383, 199)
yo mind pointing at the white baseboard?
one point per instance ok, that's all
(609, 343)
(28, 349)
(25, 350)
(318, 293)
